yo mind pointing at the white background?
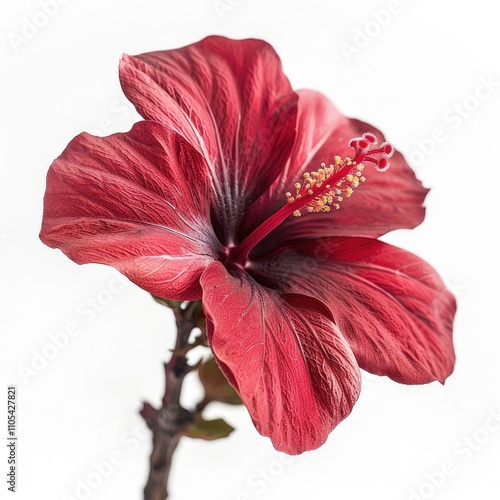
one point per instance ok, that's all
(412, 77)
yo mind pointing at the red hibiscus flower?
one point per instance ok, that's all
(202, 200)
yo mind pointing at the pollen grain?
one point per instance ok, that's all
(317, 194)
(324, 189)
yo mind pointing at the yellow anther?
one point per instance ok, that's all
(319, 194)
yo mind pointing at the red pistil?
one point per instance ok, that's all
(362, 146)
(322, 189)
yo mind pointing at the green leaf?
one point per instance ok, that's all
(207, 429)
(172, 304)
(216, 386)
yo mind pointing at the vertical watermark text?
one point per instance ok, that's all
(12, 438)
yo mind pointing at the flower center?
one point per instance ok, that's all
(322, 190)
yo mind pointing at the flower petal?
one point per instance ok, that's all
(386, 201)
(232, 101)
(293, 370)
(390, 305)
(135, 201)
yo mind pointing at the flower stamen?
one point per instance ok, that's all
(325, 188)
(321, 190)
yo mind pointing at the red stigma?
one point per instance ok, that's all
(379, 156)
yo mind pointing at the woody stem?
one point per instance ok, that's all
(168, 420)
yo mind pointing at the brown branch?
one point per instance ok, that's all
(168, 420)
